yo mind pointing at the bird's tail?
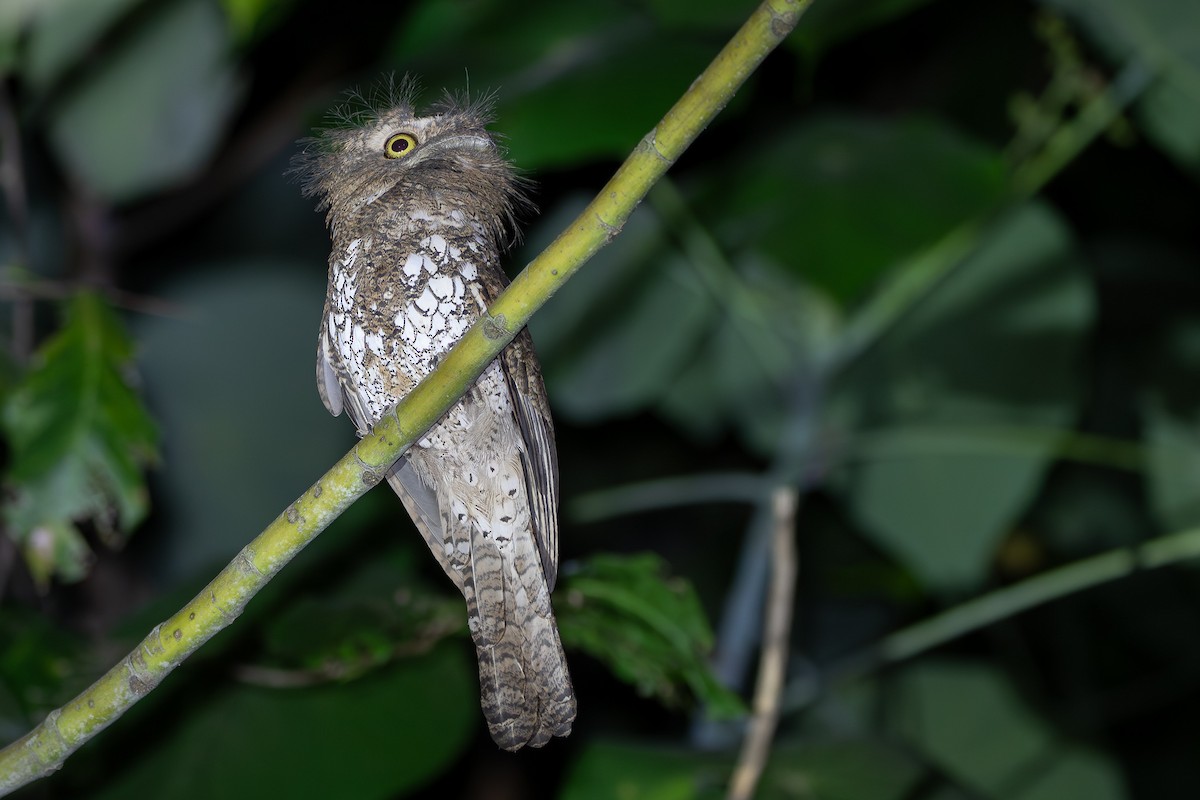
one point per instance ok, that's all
(525, 689)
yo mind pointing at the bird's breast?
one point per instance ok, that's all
(397, 304)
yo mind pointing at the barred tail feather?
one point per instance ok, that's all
(525, 688)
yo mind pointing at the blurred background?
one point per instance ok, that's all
(935, 267)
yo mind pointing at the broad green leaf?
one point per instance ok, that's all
(629, 368)
(839, 770)
(545, 33)
(565, 122)
(380, 612)
(714, 16)
(709, 343)
(827, 24)
(1164, 37)
(623, 771)
(716, 303)
(593, 295)
(63, 31)
(1174, 467)
(249, 18)
(1172, 429)
(39, 670)
(1077, 774)
(998, 345)
(619, 333)
(80, 440)
(1170, 112)
(649, 629)
(839, 199)
(756, 351)
(967, 719)
(55, 548)
(376, 737)
(580, 81)
(14, 18)
(844, 770)
(151, 112)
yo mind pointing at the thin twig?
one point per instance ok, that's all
(660, 493)
(771, 667)
(344, 669)
(796, 463)
(61, 290)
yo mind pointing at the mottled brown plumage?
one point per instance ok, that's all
(417, 209)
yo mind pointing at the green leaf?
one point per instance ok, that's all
(1172, 429)
(381, 612)
(619, 333)
(719, 17)
(249, 18)
(56, 549)
(61, 31)
(826, 24)
(150, 113)
(1174, 468)
(40, 668)
(501, 40)
(648, 628)
(709, 344)
(744, 373)
(13, 19)
(563, 67)
(839, 770)
(621, 771)
(907, 182)
(970, 721)
(371, 738)
(1170, 112)
(714, 301)
(1164, 36)
(660, 328)
(843, 770)
(997, 347)
(560, 123)
(80, 440)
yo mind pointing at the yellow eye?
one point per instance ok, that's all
(399, 145)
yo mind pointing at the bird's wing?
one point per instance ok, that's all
(421, 503)
(334, 384)
(539, 457)
(328, 384)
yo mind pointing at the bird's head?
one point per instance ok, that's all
(380, 153)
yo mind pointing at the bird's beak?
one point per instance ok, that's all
(463, 142)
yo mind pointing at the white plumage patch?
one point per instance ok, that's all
(437, 312)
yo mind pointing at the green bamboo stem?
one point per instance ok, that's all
(44, 749)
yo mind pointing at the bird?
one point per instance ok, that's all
(419, 207)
